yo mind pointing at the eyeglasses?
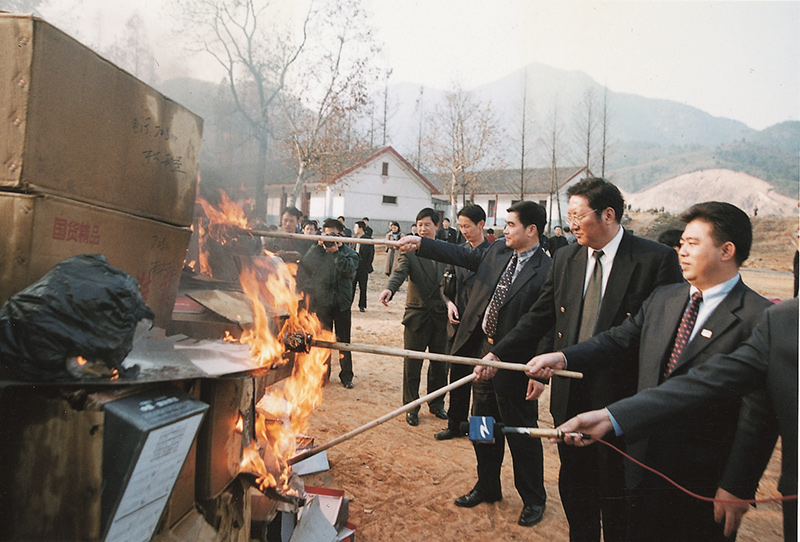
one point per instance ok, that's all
(572, 219)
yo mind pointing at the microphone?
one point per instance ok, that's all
(484, 429)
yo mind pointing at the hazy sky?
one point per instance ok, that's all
(733, 59)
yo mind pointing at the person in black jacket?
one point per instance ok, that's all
(508, 277)
(592, 481)
(456, 287)
(766, 360)
(681, 326)
(366, 254)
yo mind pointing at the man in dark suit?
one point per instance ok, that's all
(366, 254)
(766, 360)
(289, 250)
(508, 277)
(592, 484)
(471, 220)
(557, 240)
(679, 327)
(448, 234)
(424, 320)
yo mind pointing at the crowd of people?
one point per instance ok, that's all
(685, 368)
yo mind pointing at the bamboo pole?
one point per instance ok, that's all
(304, 237)
(385, 350)
(384, 418)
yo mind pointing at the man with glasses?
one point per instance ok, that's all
(593, 285)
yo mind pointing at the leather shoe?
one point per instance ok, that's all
(474, 498)
(448, 434)
(439, 413)
(412, 419)
(531, 515)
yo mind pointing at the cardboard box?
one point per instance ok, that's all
(126, 448)
(40, 231)
(75, 125)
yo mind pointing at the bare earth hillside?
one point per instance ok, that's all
(743, 190)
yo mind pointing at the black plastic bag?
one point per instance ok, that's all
(83, 307)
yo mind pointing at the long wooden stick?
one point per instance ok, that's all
(304, 237)
(385, 350)
(385, 417)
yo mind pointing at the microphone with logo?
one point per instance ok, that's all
(484, 429)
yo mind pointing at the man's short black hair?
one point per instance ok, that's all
(600, 194)
(340, 218)
(361, 224)
(728, 223)
(473, 212)
(430, 213)
(671, 238)
(530, 213)
(333, 224)
(294, 211)
(308, 223)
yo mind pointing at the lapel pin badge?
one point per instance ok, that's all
(706, 333)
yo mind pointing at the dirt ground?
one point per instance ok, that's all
(401, 482)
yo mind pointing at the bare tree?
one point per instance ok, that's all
(131, 50)
(464, 139)
(552, 145)
(604, 126)
(585, 125)
(256, 52)
(419, 105)
(334, 78)
(526, 123)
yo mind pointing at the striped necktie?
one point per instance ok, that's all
(684, 332)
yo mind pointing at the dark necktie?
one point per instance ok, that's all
(500, 293)
(592, 299)
(684, 332)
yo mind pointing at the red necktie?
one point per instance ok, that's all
(684, 332)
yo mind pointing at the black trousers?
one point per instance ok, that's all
(340, 322)
(526, 452)
(591, 482)
(419, 337)
(660, 512)
(362, 276)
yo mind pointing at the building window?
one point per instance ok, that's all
(385, 169)
(491, 208)
(390, 200)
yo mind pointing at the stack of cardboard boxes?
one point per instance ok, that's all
(92, 161)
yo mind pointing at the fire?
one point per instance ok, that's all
(284, 412)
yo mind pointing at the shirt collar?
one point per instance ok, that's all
(524, 256)
(718, 291)
(610, 250)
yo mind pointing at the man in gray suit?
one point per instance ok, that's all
(424, 321)
(679, 327)
(766, 360)
(593, 285)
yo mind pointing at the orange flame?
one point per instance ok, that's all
(284, 412)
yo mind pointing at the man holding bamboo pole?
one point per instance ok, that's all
(508, 277)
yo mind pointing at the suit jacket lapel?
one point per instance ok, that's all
(528, 271)
(651, 368)
(617, 284)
